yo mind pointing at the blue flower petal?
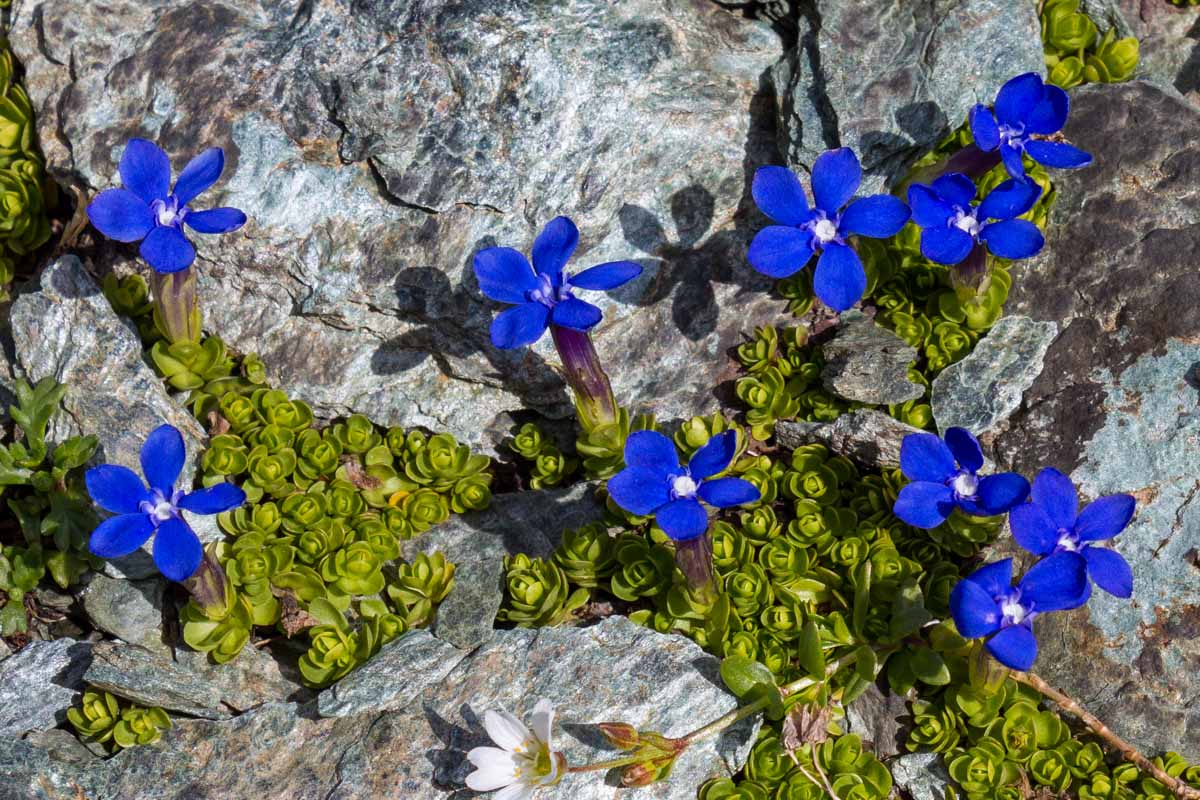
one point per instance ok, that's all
(213, 500)
(778, 194)
(1012, 238)
(120, 536)
(115, 488)
(215, 220)
(946, 245)
(1015, 647)
(1010, 199)
(878, 216)
(553, 247)
(1057, 154)
(1055, 583)
(1105, 517)
(1000, 492)
(682, 519)
(166, 249)
(653, 451)
(925, 457)
(605, 276)
(714, 457)
(779, 251)
(975, 612)
(145, 170)
(177, 550)
(504, 274)
(956, 189)
(836, 175)
(120, 215)
(994, 578)
(728, 492)
(199, 174)
(1055, 495)
(639, 490)
(984, 128)
(520, 325)
(1109, 570)
(162, 458)
(1050, 114)
(965, 448)
(923, 504)
(576, 314)
(1013, 162)
(1017, 99)
(929, 209)
(1032, 529)
(840, 280)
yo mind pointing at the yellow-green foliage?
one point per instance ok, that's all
(1077, 53)
(105, 719)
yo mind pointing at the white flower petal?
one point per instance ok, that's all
(496, 768)
(543, 721)
(518, 791)
(506, 731)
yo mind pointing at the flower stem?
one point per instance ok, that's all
(594, 400)
(721, 723)
(694, 559)
(176, 311)
(1127, 751)
(624, 761)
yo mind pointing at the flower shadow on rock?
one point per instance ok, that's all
(889, 154)
(453, 324)
(1188, 79)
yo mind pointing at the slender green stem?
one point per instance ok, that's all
(624, 761)
(721, 723)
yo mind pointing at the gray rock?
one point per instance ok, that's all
(66, 329)
(376, 146)
(525, 522)
(129, 610)
(1115, 406)
(192, 685)
(614, 670)
(417, 657)
(869, 437)
(868, 363)
(922, 775)
(981, 391)
(875, 717)
(64, 746)
(890, 78)
(5, 652)
(39, 683)
(1168, 42)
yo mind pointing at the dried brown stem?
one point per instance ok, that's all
(1127, 751)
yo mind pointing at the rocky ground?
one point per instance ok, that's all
(376, 145)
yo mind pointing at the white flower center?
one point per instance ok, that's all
(967, 223)
(966, 485)
(683, 486)
(1068, 541)
(825, 231)
(163, 511)
(1013, 611)
(166, 215)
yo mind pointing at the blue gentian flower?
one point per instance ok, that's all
(155, 511)
(944, 477)
(1053, 523)
(951, 225)
(542, 294)
(1028, 113)
(985, 603)
(146, 211)
(782, 250)
(654, 482)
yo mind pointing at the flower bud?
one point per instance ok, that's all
(209, 587)
(647, 772)
(619, 734)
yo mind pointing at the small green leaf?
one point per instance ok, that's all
(862, 597)
(866, 664)
(812, 657)
(929, 667)
(741, 674)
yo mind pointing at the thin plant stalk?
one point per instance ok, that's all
(176, 310)
(595, 403)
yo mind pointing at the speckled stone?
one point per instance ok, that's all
(39, 683)
(614, 670)
(922, 775)
(869, 437)
(376, 145)
(981, 391)
(393, 677)
(129, 610)
(1117, 406)
(868, 363)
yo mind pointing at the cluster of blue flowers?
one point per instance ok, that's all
(1045, 520)
(1027, 113)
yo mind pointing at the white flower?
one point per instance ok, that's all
(523, 763)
